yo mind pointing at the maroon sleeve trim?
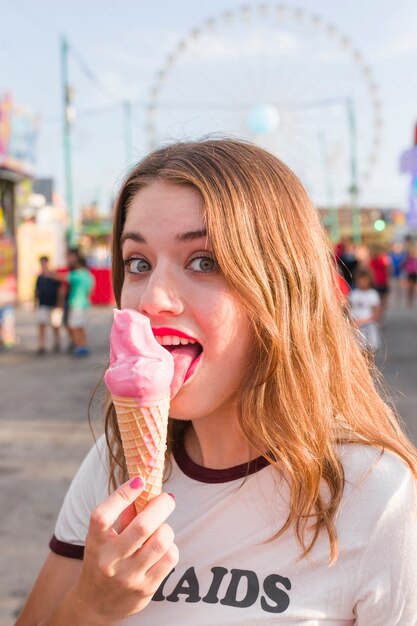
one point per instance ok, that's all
(66, 549)
(208, 475)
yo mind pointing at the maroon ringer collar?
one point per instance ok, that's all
(208, 475)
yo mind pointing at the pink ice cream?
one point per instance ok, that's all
(139, 366)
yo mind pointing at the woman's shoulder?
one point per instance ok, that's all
(379, 478)
(98, 454)
(361, 461)
(88, 487)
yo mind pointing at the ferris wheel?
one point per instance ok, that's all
(282, 77)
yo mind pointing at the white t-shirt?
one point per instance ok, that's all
(229, 573)
(362, 302)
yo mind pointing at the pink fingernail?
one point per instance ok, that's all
(136, 483)
(172, 496)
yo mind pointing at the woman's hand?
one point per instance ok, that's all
(126, 556)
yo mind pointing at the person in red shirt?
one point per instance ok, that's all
(380, 265)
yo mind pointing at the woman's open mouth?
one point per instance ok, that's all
(186, 352)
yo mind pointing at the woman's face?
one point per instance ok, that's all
(171, 276)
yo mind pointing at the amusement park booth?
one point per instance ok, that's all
(17, 140)
(94, 240)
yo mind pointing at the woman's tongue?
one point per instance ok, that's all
(183, 355)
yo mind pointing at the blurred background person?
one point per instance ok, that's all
(410, 269)
(380, 265)
(363, 256)
(398, 256)
(81, 284)
(63, 298)
(364, 303)
(347, 261)
(48, 313)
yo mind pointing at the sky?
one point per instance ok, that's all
(286, 80)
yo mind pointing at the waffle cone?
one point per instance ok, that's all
(144, 434)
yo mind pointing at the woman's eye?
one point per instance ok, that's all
(137, 266)
(203, 264)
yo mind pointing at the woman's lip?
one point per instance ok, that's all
(192, 368)
(160, 332)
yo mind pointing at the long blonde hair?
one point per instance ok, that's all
(309, 388)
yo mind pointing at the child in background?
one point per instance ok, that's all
(295, 488)
(365, 303)
(46, 301)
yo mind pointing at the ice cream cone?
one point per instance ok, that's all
(144, 434)
(139, 378)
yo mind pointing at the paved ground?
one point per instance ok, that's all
(44, 434)
(398, 363)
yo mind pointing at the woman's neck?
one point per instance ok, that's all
(217, 445)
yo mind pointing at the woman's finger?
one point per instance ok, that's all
(144, 525)
(156, 574)
(125, 518)
(154, 548)
(105, 515)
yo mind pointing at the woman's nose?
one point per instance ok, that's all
(160, 296)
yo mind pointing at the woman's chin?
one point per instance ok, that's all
(182, 408)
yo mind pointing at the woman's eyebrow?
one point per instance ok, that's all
(189, 236)
(193, 234)
(133, 235)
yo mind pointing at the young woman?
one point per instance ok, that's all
(294, 487)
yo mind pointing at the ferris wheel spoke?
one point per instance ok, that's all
(319, 168)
